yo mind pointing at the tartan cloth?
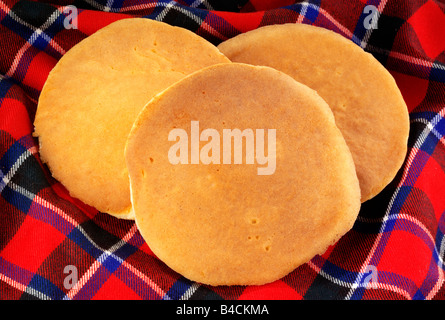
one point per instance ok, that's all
(395, 250)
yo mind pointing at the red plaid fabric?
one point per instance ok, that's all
(55, 247)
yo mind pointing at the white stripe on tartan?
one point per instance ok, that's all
(401, 56)
(303, 11)
(97, 263)
(441, 279)
(326, 14)
(55, 209)
(6, 178)
(417, 145)
(40, 30)
(355, 285)
(379, 285)
(171, 5)
(22, 190)
(109, 5)
(23, 288)
(164, 12)
(190, 291)
(147, 280)
(439, 66)
(348, 33)
(404, 216)
(204, 2)
(192, 16)
(432, 129)
(82, 281)
(37, 32)
(345, 30)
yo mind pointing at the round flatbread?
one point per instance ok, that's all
(95, 92)
(225, 210)
(367, 104)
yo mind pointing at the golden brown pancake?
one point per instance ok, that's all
(95, 92)
(367, 104)
(222, 220)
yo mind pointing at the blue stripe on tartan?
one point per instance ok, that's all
(110, 261)
(436, 126)
(94, 283)
(360, 30)
(17, 199)
(22, 68)
(397, 205)
(17, 27)
(418, 295)
(50, 217)
(427, 115)
(137, 284)
(14, 272)
(187, 11)
(312, 11)
(40, 42)
(9, 162)
(178, 288)
(308, 9)
(388, 278)
(125, 251)
(116, 5)
(438, 72)
(79, 238)
(5, 85)
(44, 286)
(339, 274)
(417, 165)
(430, 143)
(358, 293)
(440, 127)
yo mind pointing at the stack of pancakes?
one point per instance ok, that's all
(340, 124)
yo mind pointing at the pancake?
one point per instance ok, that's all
(95, 92)
(367, 104)
(219, 218)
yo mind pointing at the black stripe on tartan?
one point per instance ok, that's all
(34, 13)
(82, 4)
(383, 36)
(438, 72)
(324, 289)
(226, 5)
(19, 168)
(99, 235)
(184, 289)
(177, 18)
(205, 293)
(178, 15)
(30, 176)
(26, 17)
(5, 85)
